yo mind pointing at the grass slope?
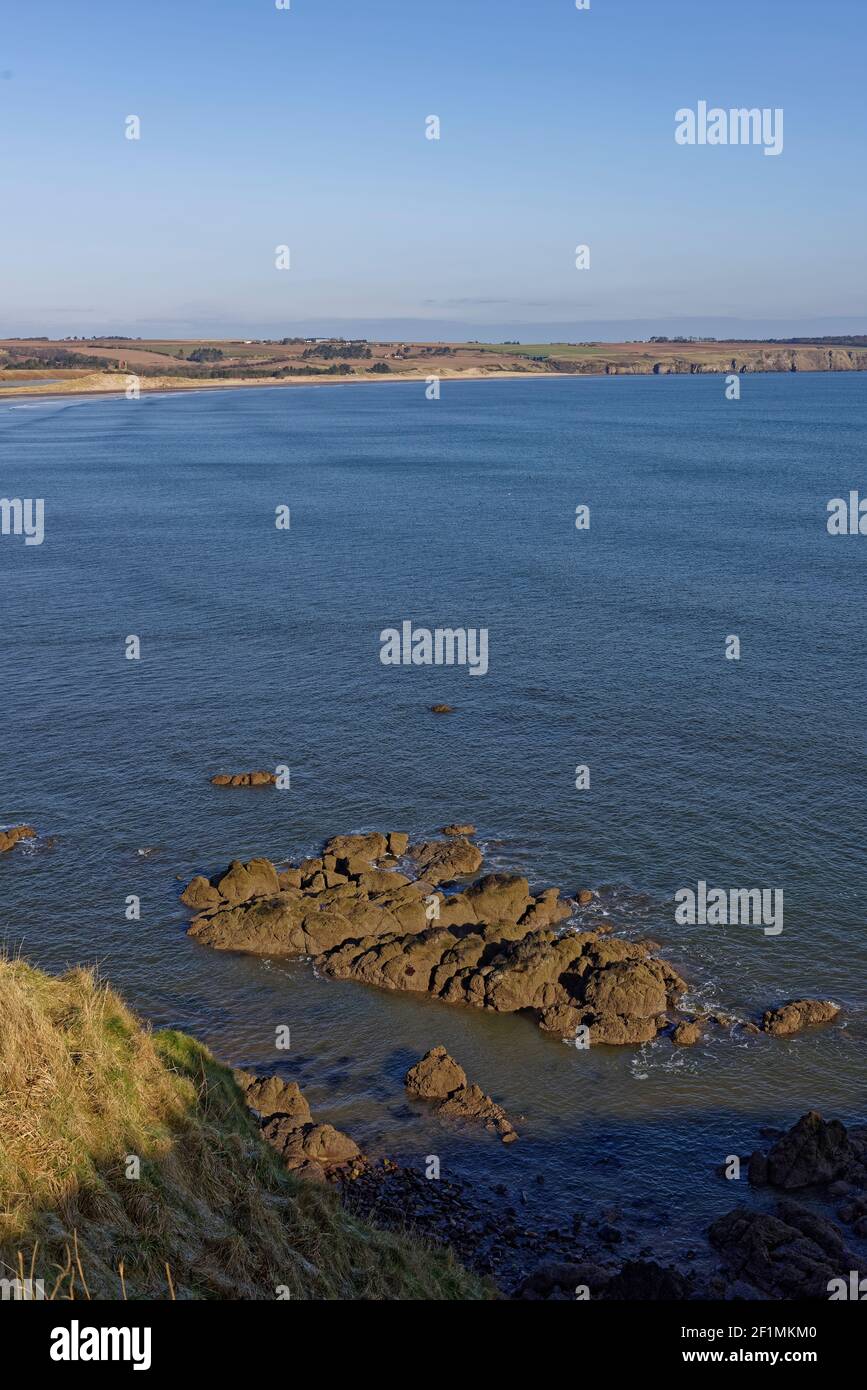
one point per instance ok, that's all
(85, 1088)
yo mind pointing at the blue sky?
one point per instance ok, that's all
(306, 127)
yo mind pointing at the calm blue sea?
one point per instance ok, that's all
(606, 648)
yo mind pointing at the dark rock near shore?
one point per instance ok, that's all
(792, 1253)
(309, 1150)
(797, 1015)
(637, 1281)
(437, 1077)
(813, 1153)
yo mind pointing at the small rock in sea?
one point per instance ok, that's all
(458, 830)
(10, 838)
(438, 1077)
(584, 897)
(686, 1034)
(244, 779)
(797, 1014)
(442, 709)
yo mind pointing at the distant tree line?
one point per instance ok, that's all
(329, 350)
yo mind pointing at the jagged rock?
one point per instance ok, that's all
(380, 881)
(435, 1076)
(439, 1077)
(440, 861)
(289, 878)
(458, 830)
(584, 897)
(309, 1150)
(813, 1153)
(397, 843)
(10, 838)
(798, 1014)
(792, 1254)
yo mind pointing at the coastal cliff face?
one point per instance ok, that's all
(132, 1167)
(763, 359)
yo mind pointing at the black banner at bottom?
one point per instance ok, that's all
(155, 1338)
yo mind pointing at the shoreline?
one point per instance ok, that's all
(268, 383)
(404, 378)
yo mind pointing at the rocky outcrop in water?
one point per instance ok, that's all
(439, 1078)
(797, 1015)
(490, 944)
(10, 838)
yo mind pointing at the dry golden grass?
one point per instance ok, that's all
(84, 1087)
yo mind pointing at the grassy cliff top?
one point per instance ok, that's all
(85, 1091)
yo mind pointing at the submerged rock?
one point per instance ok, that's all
(798, 1014)
(442, 709)
(438, 1077)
